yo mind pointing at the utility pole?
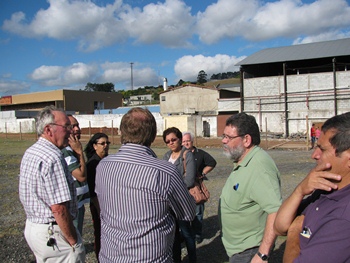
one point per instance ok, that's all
(132, 79)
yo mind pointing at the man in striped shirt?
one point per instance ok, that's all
(140, 196)
(74, 156)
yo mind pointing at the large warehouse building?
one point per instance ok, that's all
(288, 88)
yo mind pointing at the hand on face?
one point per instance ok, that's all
(75, 144)
(319, 178)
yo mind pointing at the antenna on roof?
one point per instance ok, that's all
(165, 84)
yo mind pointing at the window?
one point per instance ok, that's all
(99, 105)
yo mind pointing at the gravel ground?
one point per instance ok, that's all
(293, 165)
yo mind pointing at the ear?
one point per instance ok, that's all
(346, 154)
(247, 141)
(48, 131)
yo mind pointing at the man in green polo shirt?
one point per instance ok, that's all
(252, 193)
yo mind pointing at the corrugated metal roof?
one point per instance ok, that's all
(334, 48)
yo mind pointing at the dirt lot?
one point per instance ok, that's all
(291, 158)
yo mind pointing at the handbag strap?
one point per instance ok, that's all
(184, 159)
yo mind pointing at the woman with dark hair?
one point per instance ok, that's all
(95, 150)
(178, 155)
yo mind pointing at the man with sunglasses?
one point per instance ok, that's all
(251, 196)
(74, 156)
(47, 193)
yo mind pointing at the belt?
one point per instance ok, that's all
(54, 223)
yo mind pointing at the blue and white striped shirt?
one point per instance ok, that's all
(140, 196)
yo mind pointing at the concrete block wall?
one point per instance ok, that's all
(13, 125)
(309, 95)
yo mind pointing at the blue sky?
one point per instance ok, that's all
(64, 44)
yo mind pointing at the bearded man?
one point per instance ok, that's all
(252, 193)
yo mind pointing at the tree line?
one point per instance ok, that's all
(154, 91)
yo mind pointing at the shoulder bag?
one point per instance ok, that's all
(199, 191)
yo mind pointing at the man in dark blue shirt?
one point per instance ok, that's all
(205, 163)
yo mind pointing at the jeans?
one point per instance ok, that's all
(245, 256)
(79, 220)
(188, 235)
(197, 223)
(96, 221)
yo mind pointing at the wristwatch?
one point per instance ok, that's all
(264, 257)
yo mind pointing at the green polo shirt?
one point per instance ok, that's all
(252, 191)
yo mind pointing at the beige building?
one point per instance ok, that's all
(199, 109)
(77, 101)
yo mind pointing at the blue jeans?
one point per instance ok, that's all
(197, 223)
(188, 236)
(79, 220)
(245, 256)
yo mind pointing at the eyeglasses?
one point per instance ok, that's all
(103, 143)
(66, 127)
(230, 138)
(171, 140)
(186, 141)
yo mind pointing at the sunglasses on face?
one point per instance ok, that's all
(171, 140)
(103, 143)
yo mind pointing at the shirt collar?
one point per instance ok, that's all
(338, 194)
(247, 157)
(137, 148)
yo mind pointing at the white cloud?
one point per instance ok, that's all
(322, 37)
(11, 87)
(119, 73)
(286, 18)
(187, 67)
(77, 73)
(171, 23)
(92, 25)
(168, 23)
(95, 26)
(226, 18)
(6, 75)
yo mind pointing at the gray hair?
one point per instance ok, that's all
(45, 117)
(188, 133)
